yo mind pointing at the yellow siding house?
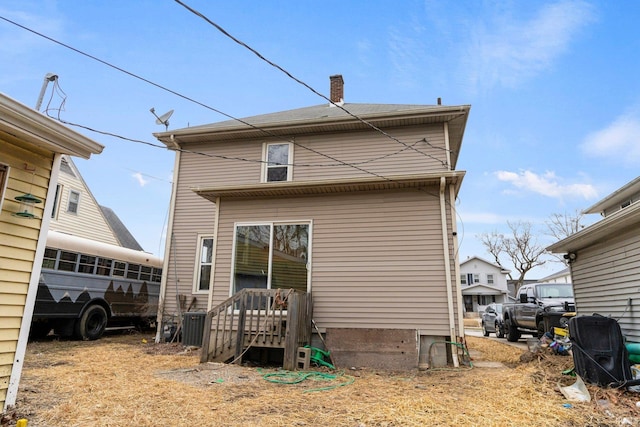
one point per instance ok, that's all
(31, 148)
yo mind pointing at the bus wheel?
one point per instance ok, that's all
(92, 324)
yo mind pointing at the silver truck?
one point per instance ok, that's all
(538, 306)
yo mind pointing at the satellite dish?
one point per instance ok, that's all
(163, 119)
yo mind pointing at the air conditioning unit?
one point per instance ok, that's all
(193, 328)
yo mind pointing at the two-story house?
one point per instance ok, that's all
(353, 204)
(482, 283)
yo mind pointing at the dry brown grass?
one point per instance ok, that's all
(123, 381)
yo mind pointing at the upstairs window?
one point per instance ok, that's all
(74, 201)
(489, 279)
(278, 160)
(463, 279)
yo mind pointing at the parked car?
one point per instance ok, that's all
(492, 320)
(539, 307)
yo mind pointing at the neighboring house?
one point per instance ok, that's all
(31, 149)
(482, 283)
(77, 212)
(562, 276)
(366, 214)
(604, 259)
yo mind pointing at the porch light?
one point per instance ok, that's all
(27, 202)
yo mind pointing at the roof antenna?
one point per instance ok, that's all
(49, 77)
(163, 119)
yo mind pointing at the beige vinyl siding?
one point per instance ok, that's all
(613, 265)
(369, 269)
(19, 238)
(211, 169)
(193, 215)
(88, 222)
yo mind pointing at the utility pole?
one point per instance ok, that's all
(50, 77)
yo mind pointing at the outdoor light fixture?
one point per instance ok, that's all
(570, 257)
(27, 202)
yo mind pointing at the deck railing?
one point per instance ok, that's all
(261, 318)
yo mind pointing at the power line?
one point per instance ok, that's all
(354, 165)
(291, 76)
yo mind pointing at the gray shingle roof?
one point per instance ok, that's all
(123, 235)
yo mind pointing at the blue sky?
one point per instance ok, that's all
(553, 85)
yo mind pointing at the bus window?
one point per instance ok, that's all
(157, 275)
(119, 268)
(67, 261)
(87, 264)
(49, 260)
(133, 271)
(104, 267)
(145, 273)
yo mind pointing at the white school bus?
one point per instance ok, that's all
(86, 286)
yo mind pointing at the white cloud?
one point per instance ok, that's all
(507, 51)
(620, 141)
(138, 176)
(548, 185)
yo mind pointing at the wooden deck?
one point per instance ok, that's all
(258, 318)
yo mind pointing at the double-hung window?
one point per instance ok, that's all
(204, 264)
(74, 201)
(271, 256)
(278, 162)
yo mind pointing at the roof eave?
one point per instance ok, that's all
(293, 189)
(174, 138)
(617, 221)
(27, 124)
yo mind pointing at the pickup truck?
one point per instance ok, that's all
(534, 303)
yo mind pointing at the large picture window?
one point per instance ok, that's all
(271, 256)
(204, 263)
(278, 160)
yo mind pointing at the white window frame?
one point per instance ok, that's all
(463, 279)
(265, 162)
(71, 191)
(476, 278)
(272, 224)
(4, 180)
(490, 279)
(197, 269)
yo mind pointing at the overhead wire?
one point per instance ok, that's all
(355, 165)
(340, 162)
(297, 80)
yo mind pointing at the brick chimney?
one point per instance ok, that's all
(337, 89)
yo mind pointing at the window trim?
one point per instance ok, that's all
(197, 267)
(57, 201)
(4, 181)
(71, 191)
(265, 161)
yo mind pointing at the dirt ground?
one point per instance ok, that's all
(125, 379)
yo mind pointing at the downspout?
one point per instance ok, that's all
(454, 232)
(447, 269)
(213, 255)
(32, 291)
(168, 242)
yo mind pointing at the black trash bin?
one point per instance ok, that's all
(599, 354)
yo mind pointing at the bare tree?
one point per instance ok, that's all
(561, 226)
(521, 248)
